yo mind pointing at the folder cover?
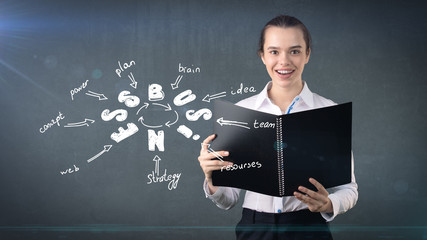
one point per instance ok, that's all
(273, 155)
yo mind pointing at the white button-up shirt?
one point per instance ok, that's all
(342, 197)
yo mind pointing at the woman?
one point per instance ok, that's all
(284, 48)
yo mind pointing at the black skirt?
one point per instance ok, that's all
(282, 226)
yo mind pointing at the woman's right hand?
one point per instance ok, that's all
(209, 163)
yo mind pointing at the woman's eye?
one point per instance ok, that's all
(274, 52)
(295, 52)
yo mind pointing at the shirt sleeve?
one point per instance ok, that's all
(343, 197)
(225, 197)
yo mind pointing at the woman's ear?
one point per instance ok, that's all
(261, 55)
(308, 56)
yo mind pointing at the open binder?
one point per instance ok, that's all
(274, 155)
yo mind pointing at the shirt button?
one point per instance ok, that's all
(279, 211)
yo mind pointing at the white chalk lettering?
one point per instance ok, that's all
(173, 179)
(205, 112)
(184, 98)
(155, 92)
(123, 67)
(191, 69)
(243, 90)
(52, 123)
(76, 90)
(241, 166)
(264, 124)
(70, 170)
(156, 140)
(123, 134)
(129, 100)
(120, 115)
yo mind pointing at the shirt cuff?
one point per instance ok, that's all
(335, 207)
(214, 197)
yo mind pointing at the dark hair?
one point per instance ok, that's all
(284, 21)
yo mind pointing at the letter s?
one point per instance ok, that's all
(129, 100)
(120, 115)
(191, 116)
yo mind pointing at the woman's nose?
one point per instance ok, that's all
(284, 59)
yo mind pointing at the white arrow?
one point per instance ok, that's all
(80, 124)
(167, 108)
(132, 78)
(223, 122)
(144, 106)
(106, 149)
(157, 159)
(169, 124)
(210, 150)
(208, 97)
(175, 85)
(141, 119)
(98, 95)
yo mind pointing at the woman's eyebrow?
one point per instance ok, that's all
(275, 48)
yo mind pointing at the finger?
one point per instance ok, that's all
(208, 156)
(209, 166)
(219, 155)
(319, 186)
(310, 193)
(206, 142)
(303, 198)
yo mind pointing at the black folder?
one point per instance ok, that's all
(274, 155)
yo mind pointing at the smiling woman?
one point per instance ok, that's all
(284, 48)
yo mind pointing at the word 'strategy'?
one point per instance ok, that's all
(155, 177)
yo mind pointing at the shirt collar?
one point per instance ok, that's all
(306, 95)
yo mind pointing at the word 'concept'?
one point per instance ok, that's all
(52, 123)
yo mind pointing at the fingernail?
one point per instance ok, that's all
(226, 153)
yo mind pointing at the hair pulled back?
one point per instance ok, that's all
(284, 21)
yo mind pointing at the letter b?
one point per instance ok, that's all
(155, 92)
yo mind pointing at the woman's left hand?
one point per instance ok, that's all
(316, 201)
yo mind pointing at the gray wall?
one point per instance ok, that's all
(369, 52)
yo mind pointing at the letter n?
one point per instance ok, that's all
(156, 140)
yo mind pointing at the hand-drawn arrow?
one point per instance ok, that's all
(143, 106)
(141, 119)
(208, 97)
(106, 149)
(157, 159)
(169, 124)
(210, 150)
(132, 78)
(175, 85)
(80, 124)
(167, 108)
(98, 95)
(223, 122)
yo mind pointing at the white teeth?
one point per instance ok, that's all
(284, 72)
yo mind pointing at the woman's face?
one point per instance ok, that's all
(285, 56)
